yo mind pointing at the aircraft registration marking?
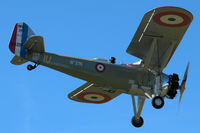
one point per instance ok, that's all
(47, 59)
(76, 63)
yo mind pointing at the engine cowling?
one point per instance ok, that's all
(173, 85)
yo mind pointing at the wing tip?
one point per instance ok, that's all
(171, 16)
(180, 8)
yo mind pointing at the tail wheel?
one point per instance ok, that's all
(30, 67)
(137, 122)
(157, 102)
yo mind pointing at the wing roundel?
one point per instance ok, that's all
(160, 31)
(90, 93)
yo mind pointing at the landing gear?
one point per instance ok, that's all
(137, 122)
(31, 67)
(157, 102)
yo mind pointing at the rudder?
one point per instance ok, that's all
(21, 33)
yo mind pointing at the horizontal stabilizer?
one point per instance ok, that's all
(35, 44)
(16, 60)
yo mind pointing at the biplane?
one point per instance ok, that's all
(154, 43)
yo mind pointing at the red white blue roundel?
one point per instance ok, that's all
(171, 19)
(94, 97)
(100, 67)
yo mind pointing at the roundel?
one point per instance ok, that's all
(171, 19)
(94, 97)
(100, 67)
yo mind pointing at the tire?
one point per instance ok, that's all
(29, 67)
(157, 102)
(137, 122)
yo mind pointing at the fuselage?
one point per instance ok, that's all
(103, 73)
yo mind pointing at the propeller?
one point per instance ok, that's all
(182, 87)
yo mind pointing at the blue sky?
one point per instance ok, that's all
(36, 101)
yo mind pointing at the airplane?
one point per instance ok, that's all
(154, 43)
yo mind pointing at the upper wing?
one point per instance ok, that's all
(158, 35)
(90, 93)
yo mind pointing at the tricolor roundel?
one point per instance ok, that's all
(171, 19)
(100, 67)
(94, 97)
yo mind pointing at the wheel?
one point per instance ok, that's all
(157, 102)
(137, 122)
(29, 67)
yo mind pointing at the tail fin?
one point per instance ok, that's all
(21, 33)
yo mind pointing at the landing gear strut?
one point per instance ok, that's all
(157, 101)
(31, 67)
(137, 120)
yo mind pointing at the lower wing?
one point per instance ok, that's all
(91, 93)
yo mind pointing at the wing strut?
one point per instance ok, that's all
(148, 58)
(167, 55)
(158, 78)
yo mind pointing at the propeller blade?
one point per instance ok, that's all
(182, 89)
